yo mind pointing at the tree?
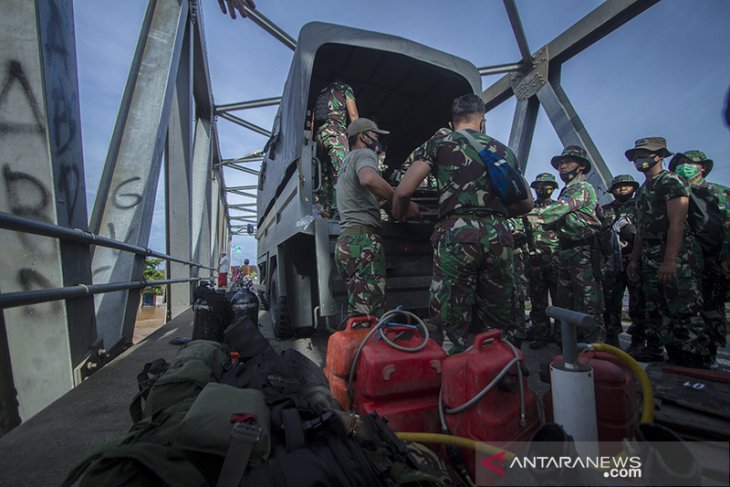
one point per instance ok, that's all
(153, 273)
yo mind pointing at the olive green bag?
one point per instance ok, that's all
(210, 421)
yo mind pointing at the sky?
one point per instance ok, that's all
(664, 73)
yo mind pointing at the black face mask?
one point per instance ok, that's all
(544, 192)
(644, 164)
(374, 145)
(623, 198)
(569, 176)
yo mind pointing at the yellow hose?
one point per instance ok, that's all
(647, 406)
(459, 441)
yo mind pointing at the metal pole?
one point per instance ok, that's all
(20, 224)
(245, 124)
(569, 319)
(245, 105)
(11, 300)
(514, 20)
(259, 19)
(502, 68)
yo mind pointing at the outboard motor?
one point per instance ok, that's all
(245, 303)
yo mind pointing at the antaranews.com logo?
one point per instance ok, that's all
(602, 463)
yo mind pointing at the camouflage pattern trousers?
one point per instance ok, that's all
(472, 288)
(714, 291)
(580, 290)
(360, 259)
(673, 310)
(332, 147)
(543, 270)
(614, 287)
(521, 281)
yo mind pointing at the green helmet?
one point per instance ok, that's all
(545, 178)
(692, 156)
(623, 179)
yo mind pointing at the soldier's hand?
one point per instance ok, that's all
(632, 270)
(234, 5)
(667, 272)
(414, 211)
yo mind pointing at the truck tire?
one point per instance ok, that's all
(279, 312)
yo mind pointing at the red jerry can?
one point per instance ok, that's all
(400, 386)
(617, 402)
(496, 417)
(341, 348)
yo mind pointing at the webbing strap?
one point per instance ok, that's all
(243, 437)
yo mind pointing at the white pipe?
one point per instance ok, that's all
(574, 405)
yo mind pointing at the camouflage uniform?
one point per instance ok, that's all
(473, 279)
(576, 222)
(359, 252)
(418, 154)
(520, 254)
(360, 259)
(714, 282)
(616, 281)
(543, 267)
(332, 144)
(672, 310)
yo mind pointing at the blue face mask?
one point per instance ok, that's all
(644, 164)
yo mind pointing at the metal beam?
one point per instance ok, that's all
(243, 169)
(245, 105)
(502, 68)
(178, 188)
(523, 128)
(603, 20)
(241, 188)
(571, 131)
(241, 193)
(244, 123)
(42, 179)
(241, 205)
(516, 23)
(241, 160)
(245, 210)
(125, 200)
(201, 194)
(259, 19)
(201, 74)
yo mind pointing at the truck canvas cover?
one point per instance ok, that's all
(407, 87)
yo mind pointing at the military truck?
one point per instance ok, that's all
(408, 89)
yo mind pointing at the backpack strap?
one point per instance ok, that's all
(473, 143)
(293, 429)
(243, 437)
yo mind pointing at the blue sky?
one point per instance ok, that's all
(664, 73)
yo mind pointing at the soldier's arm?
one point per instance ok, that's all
(408, 185)
(351, 109)
(568, 203)
(373, 182)
(677, 216)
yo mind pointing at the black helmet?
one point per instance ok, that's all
(245, 261)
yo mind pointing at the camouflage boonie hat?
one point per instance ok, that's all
(655, 145)
(545, 178)
(623, 179)
(572, 153)
(692, 156)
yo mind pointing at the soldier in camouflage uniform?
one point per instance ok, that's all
(695, 166)
(574, 218)
(331, 138)
(359, 254)
(671, 259)
(621, 214)
(520, 254)
(418, 154)
(473, 283)
(542, 265)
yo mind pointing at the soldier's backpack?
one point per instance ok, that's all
(321, 106)
(506, 181)
(706, 220)
(283, 429)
